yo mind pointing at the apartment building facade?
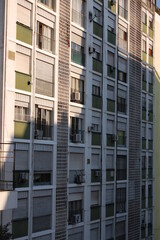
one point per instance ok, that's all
(78, 93)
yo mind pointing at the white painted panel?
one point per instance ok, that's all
(24, 15)
(22, 63)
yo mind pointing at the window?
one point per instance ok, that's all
(75, 212)
(49, 3)
(150, 50)
(45, 37)
(97, 16)
(121, 167)
(43, 129)
(121, 105)
(144, 46)
(77, 54)
(77, 90)
(144, 18)
(21, 113)
(120, 200)
(95, 90)
(76, 132)
(78, 15)
(120, 230)
(150, 23)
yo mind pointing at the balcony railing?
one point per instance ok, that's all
(121, 174)
(123, 12)
(79, 18)
(111, 37)
(43, 132)
(123, 44)
(45, 43)
(78, 57)
(44, 87)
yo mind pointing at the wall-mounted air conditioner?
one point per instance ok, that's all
(77, 218)
(76, 96)
(77, 138)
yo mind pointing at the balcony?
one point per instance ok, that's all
(96, 138)
(77, 136)
(78, 57)
(144, 28)
(45, 43)
(110, 105)
(109, 210)
(95, 212)
(123, 44)
(24, 33)
(123, 12)
(78, 18)
(96, 101)
(121, 174)
(95, 175)
(97, 65)
(110, 71)
(43, 132)
(23, 82)
(144, 56)
(97, 29)
(112, 5)
(110, 175)
(111, 37)
(44, 87)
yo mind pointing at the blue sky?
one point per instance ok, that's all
(158, 3)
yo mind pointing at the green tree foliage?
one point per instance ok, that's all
(4, 232)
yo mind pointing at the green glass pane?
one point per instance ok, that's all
(110, 105)
(21, 130)
(144, 56)
(97, 29)
(111, 38)
(20, 228)
(151, 60)
(97, 65)
(96, 138)
(23, 81)
(95, 213)
(24, 34)
(150, 33)
(96, 101)
(144, 28)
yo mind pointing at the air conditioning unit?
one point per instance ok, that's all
(77, 218)
(90, 128)
(91, 50)
(96, 173)
(77, 138)
(38, 133)
(79, 179)
(76, 96)
(113, 2)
